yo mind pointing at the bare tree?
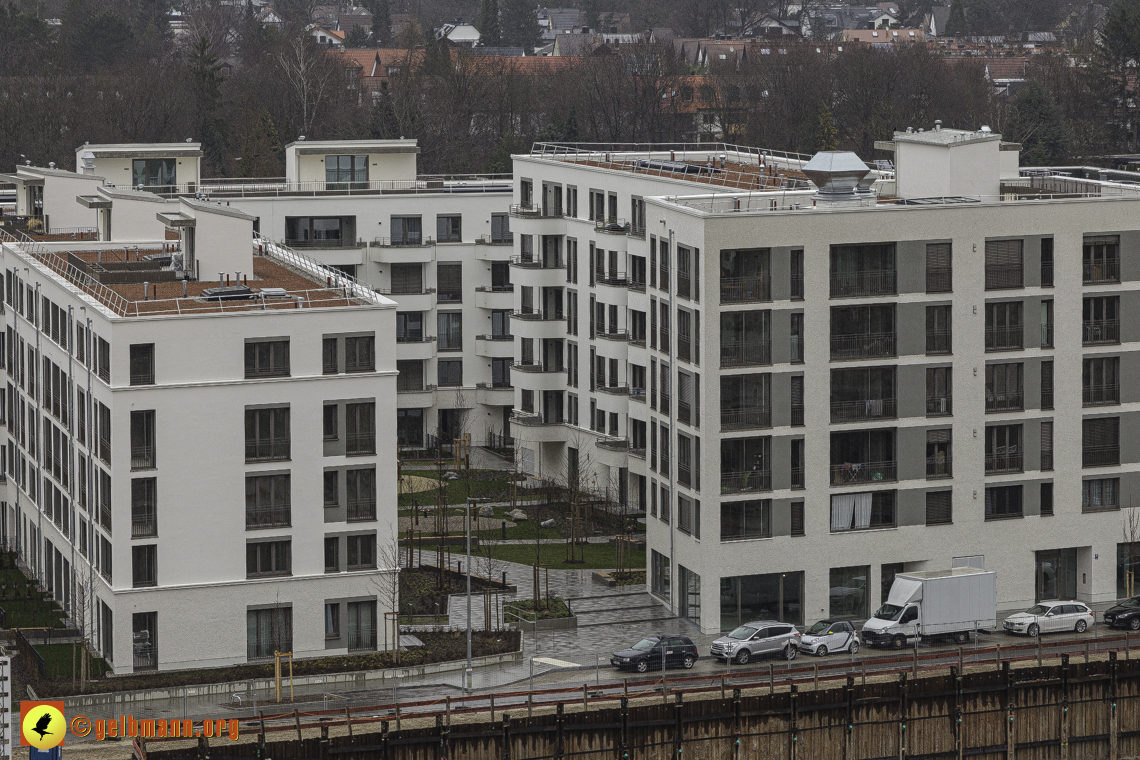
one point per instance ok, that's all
(311, 75)
(387, 584)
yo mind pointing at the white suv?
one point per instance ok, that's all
(762, 638)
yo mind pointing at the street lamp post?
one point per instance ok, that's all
(470, 500)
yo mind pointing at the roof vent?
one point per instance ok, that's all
(985, 128)
(938, 125)
(837, 174)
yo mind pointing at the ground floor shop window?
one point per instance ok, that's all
(660, 571)
(772, 596)
(849, 591)
(1056, 574)
(1127, 569)
(690, 594)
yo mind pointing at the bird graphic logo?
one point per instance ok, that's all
(42, 724)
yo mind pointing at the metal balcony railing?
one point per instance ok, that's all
(362, 509)
(1004, 276)
(797, 415)
(361, 444)
(863, 472)
(745, 482)
(863, 346)
(538, 262)
(538, 315)
(267, 449)
(938, 467)
(361, 640)
(744, 418)
(142, 457)
(144, 526)
(864, 409)
(636, 230)
(613, 334)
(796, 282)
(684, 348)
(612, 226)
(613, 443)
(938, 341)
(684, 412)
(506, 239)
(617, 389)
(1004, 338)
(744, 289)
(936, 406)
(1104, 271)
(613, 279)
(745, 353)
(637, 285)
(869, 282)
(938, 280)
(525, 210)
(1102, 331)
(1099, 395)
(798, 477)
(277, 516)
(998, 463)
(1100, 456)
(1009, 401)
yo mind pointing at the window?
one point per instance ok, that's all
(797, 463)
(1003, 449)
(796, 355)
(411, 375)
(501, 324)
(268, 558)
(361, 424)
(449, 283)
(1102, 494)
(659, 571)
(1004, 264)
(144, 631)
(268, 631)
(330, 426)
(862, 332)
(332, 488)
(1047, 445)
(798, 518)
(1046, 499)
(1101, 259)
(448, 229)
(450, 373)
(1003, 501)
(688, 516)
(1046, 324)
(745, 401)
(407, 279)
(409, 326)
(343, 170)
(332, 611)
(361, 488)
(1046, 262)
(406, 230)
(144, 507)
(1101, 381)
(267, 501)
(939, 508)
(863, 270)
(320, 232)
(142, 440)
(1004, 387)
(332, 554)
(745, 519)
(796, 288)
(450, 325)
(938, 330)
(362, 552)
(155, 174)
(866, 393)
(938, 454)
(849, 591)
(1047, 384)
(1101, 320)
(267, 434)
(360, 354)
(144, 566)
(1101, 443)
(745, 275)
(267, 358)
(501, 228)
(329, 362)
(745, 338)
(939, 271)
(797, 400)
(362, 626)
(410, 427)
(142, 364)
(1003, 326)
(862, 511)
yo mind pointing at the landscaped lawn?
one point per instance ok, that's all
(598, 556)
(58, 661)
(484, 483)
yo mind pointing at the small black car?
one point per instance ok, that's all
(646, 655)
(1124, 615)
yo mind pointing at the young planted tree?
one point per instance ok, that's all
(387, 585)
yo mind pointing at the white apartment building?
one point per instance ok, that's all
(438, 246)
(201, 475)
(812, 387)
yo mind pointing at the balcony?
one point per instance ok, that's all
(745, 418)
(744, 290)
(1100, 456)
(533, 418)
(637, 231)
(618, 389)
(360, 510)
(863, 409)
(539, 315)
(939, 406)
(613, 443)
(1102, 331)
(1101, 395)
(939, 280)
(637, 394)
(362, 640)
(361, 444)
(324, 243)
(537, 367)
(869, 282)
(505, 239)
(142, 457)
(613, 280)
(865, 346)
(537, 262)
(622, 335)
(745, 482)
(267, 449)
(1004, 338)
(938, 342)
(525, 210)
(851, 473)
(267, 517)
(1102, 271)
(999, 463)
(613, 226)
(1008, 401)
(145, 526)
(745, 354)
(637, 285)
(404, 241)
(1000, 277)
(637, 341)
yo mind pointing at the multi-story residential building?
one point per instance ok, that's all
(438, 246)
(197, 470)
(809, 388)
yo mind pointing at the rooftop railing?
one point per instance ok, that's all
(230, 187)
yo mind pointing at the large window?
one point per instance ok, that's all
(1003, 449)
(410, 427)
(268, 631)
(320, 232)
(268, 558)
(362, 552)
(939, 508)
(409, 326)
(1102, 494)
(1101, 445)
(449, 229)
(411, 375)
(745, 464)
(361, 487)
(144, 507)
(362, 626)
(862, 270)
(360, 354)
(155, 174)
(267, 358)
(745, 519)
(1004, 329)
(143, 455)
(745, 276)
(144, 566)
(1102, 259)
(1102, 381)
(745, 401)
(266, 434)
(345, 172)
(450, 373)
(862, 332)
(267, 501)
(1101, 320)
(407, 230)
(939, 270)
(848, 593)
(360, 421)
(862, 511)
(745, 338)
(939, 332)
(407, 278)
(449, 282)
(1003, 501)
(450, 325)
(770, 596)
(660, 574)
(1004, 264)
(859, 394)
(863, 456)
(142, 364)
(1004, 389)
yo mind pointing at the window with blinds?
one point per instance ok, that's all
(407, 278)
(797, 400)
(1047, 445)
(939, 273)
(798, 518)
(411, 375)
(1101, 442)
(939, 508)
(1004, 264)
(1046, 499)
(1047, 266)
(1047, 384)
(938, 454)
(449, 283)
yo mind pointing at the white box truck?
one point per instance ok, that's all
(934, 603)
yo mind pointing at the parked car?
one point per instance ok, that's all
(1049, 617)
(762, 638)
(827, 636)
(1124, 615)
(646, 655)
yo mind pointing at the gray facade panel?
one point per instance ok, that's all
(910, 325)
(781, 462)
(781, 517)
(1129, 315)
(910, 263)
(781, 399)
(781, 332)
(1032, 253)
(910, 383)
(1130, 255)
(1129, 377)
(910, 450)
(1129, 441)
(781, 269)
(910, 507)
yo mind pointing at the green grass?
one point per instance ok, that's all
(57, 661)
(598, 556)
(548, 609)
(24, 611)
(484, 483)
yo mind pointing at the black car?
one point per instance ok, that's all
(1124, 615)
(646, 655)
